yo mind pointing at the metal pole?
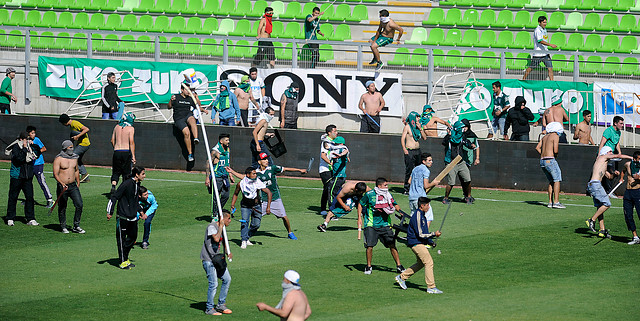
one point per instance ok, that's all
(576, 70)
(27, 68)
(156, 49)
(430, 75)
(359, 58)
(225, 51)
(503, 66)
(294, 55)
(89, 46)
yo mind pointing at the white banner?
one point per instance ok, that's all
(326, 91)
(620, 99)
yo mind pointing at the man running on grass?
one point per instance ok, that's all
(342, 204)
(384, 36)
(600, 197)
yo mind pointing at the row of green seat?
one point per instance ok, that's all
(605, 5)
(523, 19)
(522, 40)
(491, 60)
(109, 5)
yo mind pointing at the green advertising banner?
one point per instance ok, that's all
(68, 77)
(538, 95)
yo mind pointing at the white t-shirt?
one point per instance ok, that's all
(324, 166)
(538, 35)
(256, 87)
(250, 187)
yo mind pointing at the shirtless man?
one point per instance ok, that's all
(555, 113)
(343, 203)
(384, 36)
(632, 195)
(243, 95)
(265, 48)
(373, 104)
(294, 305)
(257, 144)
(548, 149)
(410, 142)
(600, 197)
(428, 122)
(124, 149)
(583, 130)
(67, 174)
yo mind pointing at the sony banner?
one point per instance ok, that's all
(619, 99)
(324, 90)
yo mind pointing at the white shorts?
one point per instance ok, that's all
(277, 208)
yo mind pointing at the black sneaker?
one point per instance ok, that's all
(322, 228)
(379, 65)
(604, 234)
(400, 268)
(592, 225)
(373, 61)
(446, 201)
(469, 200)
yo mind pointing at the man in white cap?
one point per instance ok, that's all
(294, 304)
(555, 113)
(548, 149)
(600, 197)
(373, 104)
(6, 92)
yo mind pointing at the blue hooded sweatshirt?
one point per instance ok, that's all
(226, 104)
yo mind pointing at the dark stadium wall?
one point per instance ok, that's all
(502, 164)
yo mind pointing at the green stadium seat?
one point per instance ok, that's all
(243, 9)
(194, 25)
(522, 19)
(516, 3)
(534, 19)
(327, 30)
(470, 38)
(512, 63)
(161, 24)
(464, 3)
(15, 39)
(436, 37)
(79, 42)
(307, 9)
(593, 65)
(227, 7)
(96, 22)
(470, 18)
(574, 20)
(278, 8)
(342, 32)
(610, 43)
(127, 5)
(192, 47)
(81, 20)
(487, 18)
(536, 4)
(145, 6)
(176, 45)
(242, 27)
(326, 53)
(145, 44)
(293, 11)
(628, 23)
(70, 4)
(504, 40)
(113, 5)
(163, 44)
(438, 57)
(470, 59)
(329, 11)
(523, 40)
(343, 12)
(283, 52)
(556, 19)
(127, 44)
(113, 21)
(436, 17)
(611, 66)
(33, 19)
(18, 18)
(400, 57)
(606, 5)
(487, 39)
(575, 42)
(588, 4)
(453, 38)
(65, 20)
(144, 24)
(500, 3)
(110, 43)
(178, 25)
(360, 13)
(211, 48)
(418, 35)
(162, 6)
(624, 5)
(581, 63)
(553, 4)
(627, 45)
(27, 3)
(258, 8)
(609, 22)
(489, 60)
(211, 7)
(4, 15)
(570, 4)
(46, 40)
(209, 26)
(629, 66)
(591, 21)
(94, 4)
(239, 49)
(592, 43)
(293, 30)
(177, 6)
(49, 19)
(96, 42)
(419, 57)
(227, 25)
(559, 62)
(559, 39)
(194, 7)
(453, 17)
(129, 22)
(504, 19)
(277, 31)
(452, 59)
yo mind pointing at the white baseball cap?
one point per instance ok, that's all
(292, 276)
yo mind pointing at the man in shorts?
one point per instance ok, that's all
(343, 203)
(500, 107)
(374, 211)
(267, 174)
(540, 43)
(384, 36)
(461, 141)
(594, 187)
(183, 118)
(548, 150)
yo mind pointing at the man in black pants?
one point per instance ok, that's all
(311, 29)
(128, 208)
(326, 146)
(65, 170)
(23, 154)
(519, 117)
(265, 48)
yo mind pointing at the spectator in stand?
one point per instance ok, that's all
(265, 48)
(112, 105)
(38, 166)
(311, 29)
(500, 108)
(540, 43)
(6, 92)
(519, 117)
(384, 36)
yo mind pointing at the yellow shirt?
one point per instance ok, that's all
(77, 126)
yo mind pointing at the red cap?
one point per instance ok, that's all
(263, 156)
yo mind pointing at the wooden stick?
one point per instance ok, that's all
(447, 169)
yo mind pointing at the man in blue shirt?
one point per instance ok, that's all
(419, 181)
(38, 166)
(148, 206)
(226, 104)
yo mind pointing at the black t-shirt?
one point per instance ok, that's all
(182, 106)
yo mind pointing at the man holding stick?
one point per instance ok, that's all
(65, 170)
(419, 183)
(343, 203)
(371, 104)
(214, 264)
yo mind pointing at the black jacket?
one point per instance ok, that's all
(519, 119)
(20, 168)
(110, 98)
(127, 197)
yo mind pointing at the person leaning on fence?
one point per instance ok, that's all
(500, 108)
(540, 43)
(311, 29)
(112, 105)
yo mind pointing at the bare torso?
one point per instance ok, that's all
(243, 98)
(388, 29)
(409, 142)
(555, 113)
(262, 129)
(372, 103)
(122, 136)
(549, 145)
(583, 133)
(261, 29)
(632, 183)
(300, 306)
(431, 128)
(64, 169)
(599, 168)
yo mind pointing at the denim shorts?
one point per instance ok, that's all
(551, 169)
(600, 197)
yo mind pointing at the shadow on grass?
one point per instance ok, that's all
(537, 203)
(269, 234)
(202, 306)
(107, 195)
(35, 203)
(396, 189)
(314, 208)
(53, 227)
(360, 267)
(179, 297)
(203, 218)
(341, 228)
(17, 219)
(586, 233)
(113, 262)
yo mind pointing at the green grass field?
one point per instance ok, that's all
(511, 259)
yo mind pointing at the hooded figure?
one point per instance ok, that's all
(226, 104)
(289, 107)
(427, 113)
(412, 120)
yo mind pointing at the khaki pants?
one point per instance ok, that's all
(423, 260)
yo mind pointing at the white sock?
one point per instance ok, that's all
(325, 224)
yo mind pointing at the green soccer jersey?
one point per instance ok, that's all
(340, 167)
(5, 87)
(224, 161)
(612, 137)
(373, 217)
(268, 177)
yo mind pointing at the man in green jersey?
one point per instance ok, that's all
(375, 209)
(221, 159)
(6, 92)
(267, 174)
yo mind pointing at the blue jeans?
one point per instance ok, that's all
(255, 214)
(80, 150)
(551, 169)
(498, 125)
(213, 284)
(228, 122)
(147, 228)
(112, 115)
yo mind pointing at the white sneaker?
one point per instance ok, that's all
(33, 223)
(65, 231)
(249, 242)
(244, 245)
(78, 230)
(401, 282)
(636, 240)
(10, 223)
(550, 205)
